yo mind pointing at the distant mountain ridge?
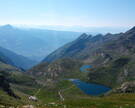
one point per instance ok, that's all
(83, 45)
(14, 59)
(33, 43)
(5, 59)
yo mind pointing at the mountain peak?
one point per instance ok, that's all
(7, 26)
(108, 34)
(85, 36)
(131, 30)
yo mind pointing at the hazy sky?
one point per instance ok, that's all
(68, 12)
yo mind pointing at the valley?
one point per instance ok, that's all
(67, 53)
(33, 43)
(89, 72)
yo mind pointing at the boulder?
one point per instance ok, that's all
(127, 87)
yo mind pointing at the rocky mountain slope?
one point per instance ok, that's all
(15, 85)
(14, 59)
(120, 67)
(81, 48)
(58, 70)
(112, 56)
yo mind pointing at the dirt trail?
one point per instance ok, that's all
(60, 93)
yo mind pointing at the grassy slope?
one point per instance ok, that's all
(5, 99)
(67, 89)
(113, 73)
(74, 98)
(45, 95)
(112, 101)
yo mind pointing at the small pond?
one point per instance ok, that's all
(85, 67)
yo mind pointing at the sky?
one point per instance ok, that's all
(91, 13)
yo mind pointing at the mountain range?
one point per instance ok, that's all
(111, 56)
(33, 43)
(82, 47)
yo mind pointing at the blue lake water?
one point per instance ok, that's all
(90, 88)
(85, 67)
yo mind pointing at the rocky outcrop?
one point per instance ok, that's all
(122, 76)
(127, 87)
(59, 69)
